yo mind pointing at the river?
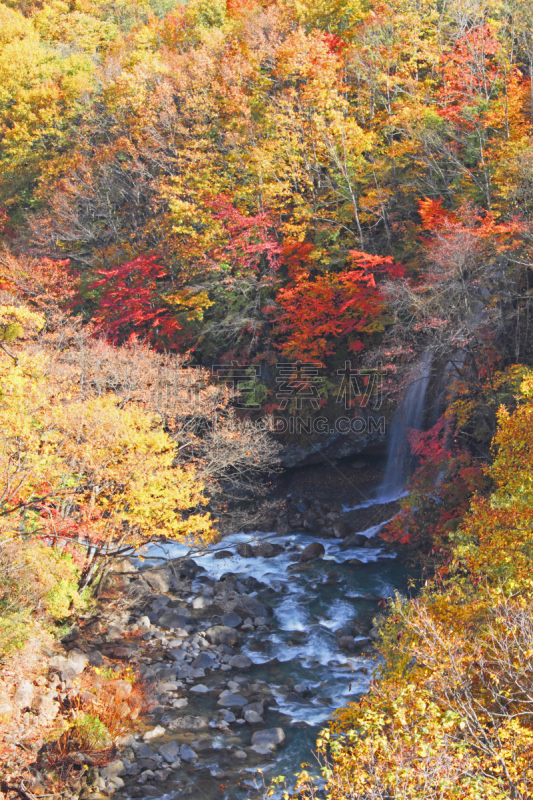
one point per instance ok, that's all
(298, 657)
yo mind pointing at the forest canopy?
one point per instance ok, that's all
(239, 182)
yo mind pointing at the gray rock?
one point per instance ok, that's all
(180, 633)
(78, 661)
(177, 654)
(248, 606)
(154, 733)
(201, 602)
(159, 580)
(240, 662)
(25, 691)
(114, 632)
(45, 706)
(144, 624)
(312, 551)
(171, 619)
(181, 702)
(270, 738)
(195, 672)
(146, 776)
(252, 717)
(230, 700)
(188, 723)
(245, 550)
(95, 658)
(222, 634)
(231, 620)
(167, 686)
(112, 770)
(261, 749)
(161, 775)
(349, 644)
(200, 688)
(341, 529)
(142, 750)
(224, 554)
(203, 661)
(240, 755)
(187, 754)
(258, 707)
(170, 751)
(267, 550)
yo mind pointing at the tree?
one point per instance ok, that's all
(316, 312)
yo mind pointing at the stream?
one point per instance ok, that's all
(298, 657)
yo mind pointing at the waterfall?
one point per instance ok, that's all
(409, 414)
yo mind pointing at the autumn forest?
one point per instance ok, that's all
(246, 182)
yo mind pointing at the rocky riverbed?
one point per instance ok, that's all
(245, 649)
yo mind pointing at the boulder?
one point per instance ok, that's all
(154, 733)
(252, 717)
(261, 750)
(170, 751)
(347, 643)
(112, 770)
(24, 693)
(258, 707)
(224, 554)
(171, 619)
(187, 754)
(240, 662)
(312, 551)
(186, 568)
(222, 634)
(245, 550)
(78, 661)
(188, 723)
(266, 550)
(45, 706)
(341, 529)
(248, 606)
(203, 661)
(230, 700)
(270, 738)
(177, 654)
(159, 580)
(143, 751)
(201, 602)
(231, 620)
